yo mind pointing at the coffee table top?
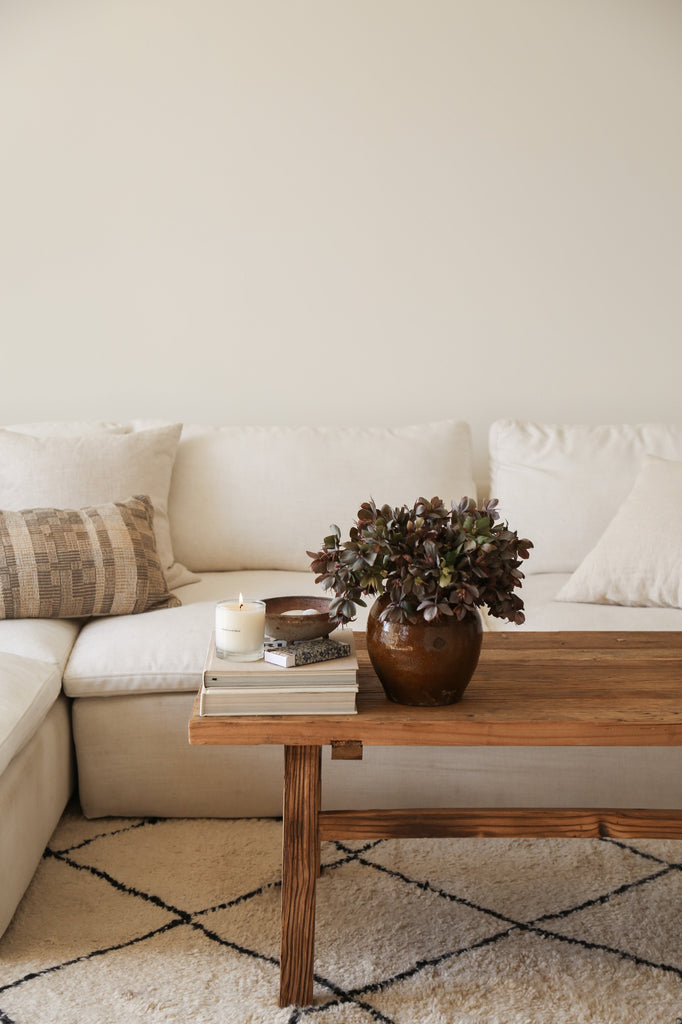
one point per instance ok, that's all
(530, 689)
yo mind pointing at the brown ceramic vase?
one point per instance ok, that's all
(426, 663)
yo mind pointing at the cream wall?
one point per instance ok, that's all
(305, 211)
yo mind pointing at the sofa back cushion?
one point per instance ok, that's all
(561, 485)
(260, 497)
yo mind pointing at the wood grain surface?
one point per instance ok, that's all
(530, 689)
(519, 822)
(300, 868)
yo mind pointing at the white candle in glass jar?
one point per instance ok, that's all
(239, 629)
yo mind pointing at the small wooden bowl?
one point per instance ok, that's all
(290, 627)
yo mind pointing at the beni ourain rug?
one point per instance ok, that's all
(162, 920)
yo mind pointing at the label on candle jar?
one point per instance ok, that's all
(239, 629)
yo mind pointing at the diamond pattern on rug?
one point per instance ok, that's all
(164, 921)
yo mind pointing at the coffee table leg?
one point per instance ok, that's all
(300, 867)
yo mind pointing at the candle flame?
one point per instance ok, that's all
(241, 600)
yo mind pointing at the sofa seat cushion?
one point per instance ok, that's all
(48, 640)
(260, 497)
(545, 612)
(164, 651)
(28, 689)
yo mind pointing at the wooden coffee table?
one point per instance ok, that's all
(530, 689)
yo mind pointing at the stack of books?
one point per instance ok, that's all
(313, 677)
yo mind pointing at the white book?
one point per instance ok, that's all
(221, 672)
(287, 700)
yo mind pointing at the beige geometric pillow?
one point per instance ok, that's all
(75, 563)
(638, 558)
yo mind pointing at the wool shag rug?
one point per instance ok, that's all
(177, 920)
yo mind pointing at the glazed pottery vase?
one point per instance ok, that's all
(425, 663)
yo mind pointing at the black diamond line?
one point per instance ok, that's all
(350, 855)
(352, 996)
(84, 957)
(140, 823)
(238, 899)
(344, 999)
(379, 986)
(622, 954)
(641, 853)
(604, 897)
(421, 965)
(185, 918)
(529, 925)
(427, 887)
(371, 844)
(32, 976)
(186, 915)
(245, 950)
(121, 887)
(4, 1019)
(102, 835)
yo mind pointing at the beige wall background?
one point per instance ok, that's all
(360, 211)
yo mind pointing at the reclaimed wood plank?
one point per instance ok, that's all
(346, 750)
(300, 868)
(530, 689)
(417, 823)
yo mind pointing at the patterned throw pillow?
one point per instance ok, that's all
(76, 563)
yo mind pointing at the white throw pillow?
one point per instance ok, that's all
(73, 428)
(561, 485)
(93, 469)
(260, 497)
(638, 559)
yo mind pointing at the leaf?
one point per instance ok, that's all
(348, 610)
(428, 560)
(431, 550)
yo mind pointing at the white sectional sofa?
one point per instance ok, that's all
(102, 702)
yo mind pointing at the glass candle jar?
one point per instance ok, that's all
(240, 629)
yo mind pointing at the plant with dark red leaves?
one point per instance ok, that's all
(428, 561)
